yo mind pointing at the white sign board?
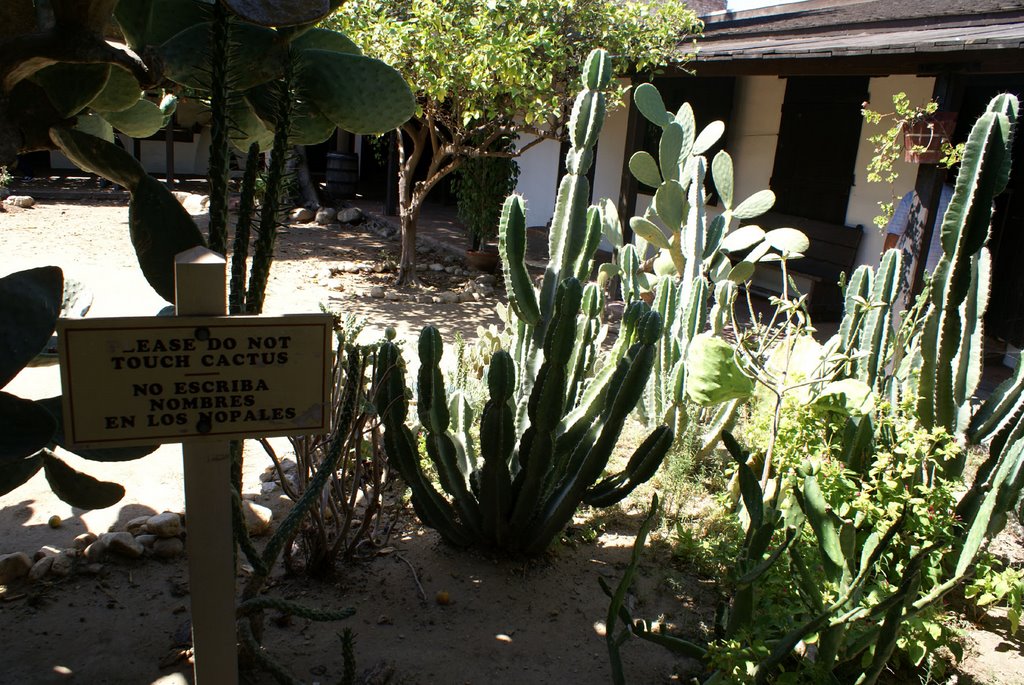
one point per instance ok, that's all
(137, 381)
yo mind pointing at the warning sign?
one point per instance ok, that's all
(136, 381)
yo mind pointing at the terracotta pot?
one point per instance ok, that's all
(922, 141)
(482, 260)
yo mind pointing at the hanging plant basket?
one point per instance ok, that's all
(922, 140)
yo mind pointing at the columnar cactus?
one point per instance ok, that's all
(549, 427)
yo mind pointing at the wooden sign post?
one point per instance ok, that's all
(199, 378)
(199, 290)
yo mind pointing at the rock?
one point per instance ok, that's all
(350, 215)
(437, 267)
(14, 566)
(45, 551)
(147, 539)
(19, 201)
(196, 204)
(84, 540)
(168, 548)
(165, 525)
(257, 518)
(392, 296)
(486, 279)
(325, 215)
(4, 193)
(302, 215)
(449, 298)
(477, 297)
(485, 290)
(93, 569)
(466, 297)
(136, 525)
(268, 487)
(62, 565)
(436, 299)
(97, 550)
(450, 270)
(268, 475)
(424, 299)
(41, 568)
(288, 464)
(123, 544)
(377, 291)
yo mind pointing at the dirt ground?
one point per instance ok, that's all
(508, 622)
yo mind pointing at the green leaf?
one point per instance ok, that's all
(645, 168)
(722, 173)
(152, 22)
(141, 120)
(94, 125)
(25, 428)
(670, 205)
(787, 240)
(742, 239)
(78, 489)
(755, 205)
(848, 396)
(29, 305)
(648, 101)
(98, 156)
(15, 474)
(713, 374)
(741, 272)
(708, 137)
(649, 232)
(325, 39)
(160, 229)
(120, 92)
(257, 56)
(71, 87)
(669, 150)
(247, 127)
(365, 95)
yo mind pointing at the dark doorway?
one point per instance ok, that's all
(817, 149)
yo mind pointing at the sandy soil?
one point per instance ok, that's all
(508, 622)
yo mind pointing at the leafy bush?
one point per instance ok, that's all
(481, 186)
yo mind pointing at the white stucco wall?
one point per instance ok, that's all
(539, 171)
(753, 133)
(189, 158)
(865, 196)
(538, 181)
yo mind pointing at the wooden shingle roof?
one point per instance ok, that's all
(903, 32)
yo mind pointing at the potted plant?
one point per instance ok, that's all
(481, 185)
(919, 135)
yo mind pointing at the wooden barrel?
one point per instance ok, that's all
(342, 174)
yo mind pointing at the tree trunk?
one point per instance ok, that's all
(407, 262)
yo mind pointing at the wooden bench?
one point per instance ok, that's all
(833, 251)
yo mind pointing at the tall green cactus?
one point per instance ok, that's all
(550, 425)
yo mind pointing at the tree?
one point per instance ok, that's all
(483, 69)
